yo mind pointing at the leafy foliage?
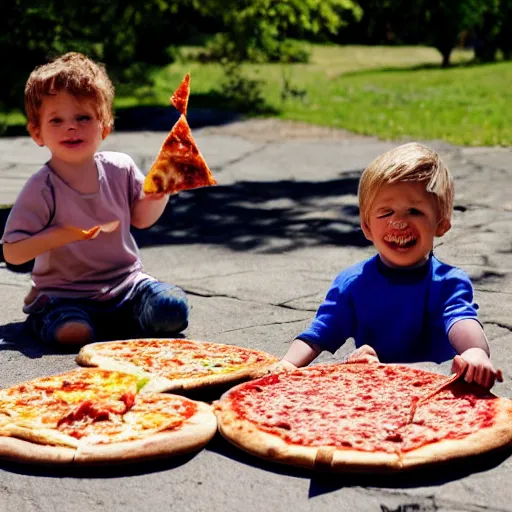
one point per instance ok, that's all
(260, 30)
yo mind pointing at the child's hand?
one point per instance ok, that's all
(92, 233)
(480, 369)
(283, 366)
(155, 196)
(364, 354)
(279, 367)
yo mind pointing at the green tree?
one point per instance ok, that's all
(504, 36)
(486, 31)
(446, 19)
(115, 32)
(259, 30)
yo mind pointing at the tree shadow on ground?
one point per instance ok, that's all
(207, 109)
(161, 118)
(266, 217)
(204, 109)
(427, 66)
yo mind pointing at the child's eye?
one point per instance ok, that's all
(83, 118)
(55, 120)
(383, 215)
(414, 211)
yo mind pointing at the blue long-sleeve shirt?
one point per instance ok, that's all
(404, 314)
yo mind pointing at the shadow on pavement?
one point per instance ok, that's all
(325, 482)
(104, 471)
(267, 216)
(162, 118)
(13, 336)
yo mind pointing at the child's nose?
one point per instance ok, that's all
(398, 223)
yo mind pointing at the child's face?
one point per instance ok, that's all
(69, 128)
(402, 224)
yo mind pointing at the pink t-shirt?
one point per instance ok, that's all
(100, 268)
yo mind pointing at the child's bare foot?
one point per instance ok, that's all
(364, 354)
(74, 333)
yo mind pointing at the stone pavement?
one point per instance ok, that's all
(256, 254)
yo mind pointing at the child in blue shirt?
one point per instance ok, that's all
(403, 304)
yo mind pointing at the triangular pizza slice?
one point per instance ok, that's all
(179, 165)
(179, 99)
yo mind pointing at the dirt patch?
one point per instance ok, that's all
(275, 130)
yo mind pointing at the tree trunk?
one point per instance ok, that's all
(446, 57)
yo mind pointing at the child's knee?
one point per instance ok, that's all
(74, 333)
(170, 317)
(165, 312)
(67, 325)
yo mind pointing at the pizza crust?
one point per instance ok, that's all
(246, 436)
(19, 450)
(39, 435)
(214, 380)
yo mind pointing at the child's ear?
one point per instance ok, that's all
(443, 227)
(35, 133)
(106, 131)
(366, 230)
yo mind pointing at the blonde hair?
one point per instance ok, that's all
(79, 76)
(408, 162)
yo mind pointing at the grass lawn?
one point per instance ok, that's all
(392, 92)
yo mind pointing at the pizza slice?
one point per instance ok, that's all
(96, 416)
(177, 364)
(179, 99)
(179, 165)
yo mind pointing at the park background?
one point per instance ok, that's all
(425, 69)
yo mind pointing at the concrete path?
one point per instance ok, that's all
(256, 254)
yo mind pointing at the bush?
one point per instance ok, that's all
(221, 46)
(244, 93)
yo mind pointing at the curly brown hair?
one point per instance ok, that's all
(79, 76)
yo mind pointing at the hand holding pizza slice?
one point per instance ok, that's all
(179, 165)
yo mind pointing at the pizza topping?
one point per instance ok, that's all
(150, 414)
(182, 359)
(42, 411)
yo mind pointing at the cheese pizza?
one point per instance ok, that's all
(178, 364)
(363, 417)
(97, 416)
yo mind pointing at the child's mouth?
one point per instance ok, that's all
(402, 241)
(72, 142)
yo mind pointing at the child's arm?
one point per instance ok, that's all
(17, 253)
(148, 209)
(300, 353)
(468, 339)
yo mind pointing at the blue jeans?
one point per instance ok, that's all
(152, 309)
